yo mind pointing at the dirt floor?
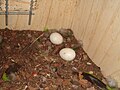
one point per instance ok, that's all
(29, 61)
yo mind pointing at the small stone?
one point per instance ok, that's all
(37, 65)
(75, 87)
(29, 35)
(19, 44)
(54, 69)
(90, 72)
(8, 47)
(12, 76)
(48, 75)
(49, 48)
(44, 79)
(74, 69)
(46, 88)
(35, 74)
(12, 60)
(91, 88)
(88, 63)
(25, 87)
(85, 57)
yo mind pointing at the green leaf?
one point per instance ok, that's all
(110, 88)
(45, 29)
(5, 77)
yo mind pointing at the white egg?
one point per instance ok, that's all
(56, 38)
(67, 54)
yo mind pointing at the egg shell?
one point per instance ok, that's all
(56, 38)
(67, 54)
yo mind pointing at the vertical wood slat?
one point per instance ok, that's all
(81, 17)
(103, 26)
(96, 22)
(2, 21)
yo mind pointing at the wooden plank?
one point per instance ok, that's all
(111, 62)
(116, 76)
(41, 15)
(106, 18)
(2, 21)
(108, 39)
(23, 22)
(92, 22)
(81, 17)
(69, 13)
(12, 20)
(53, 15)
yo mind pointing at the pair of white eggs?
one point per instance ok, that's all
(67, 54)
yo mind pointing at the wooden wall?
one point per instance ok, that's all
(95, 22)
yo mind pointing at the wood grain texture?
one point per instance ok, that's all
(95, 22)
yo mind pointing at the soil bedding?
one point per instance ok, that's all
(29, 61)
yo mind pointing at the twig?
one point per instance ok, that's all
(31, 43)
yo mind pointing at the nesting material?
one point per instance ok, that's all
(35, 63)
